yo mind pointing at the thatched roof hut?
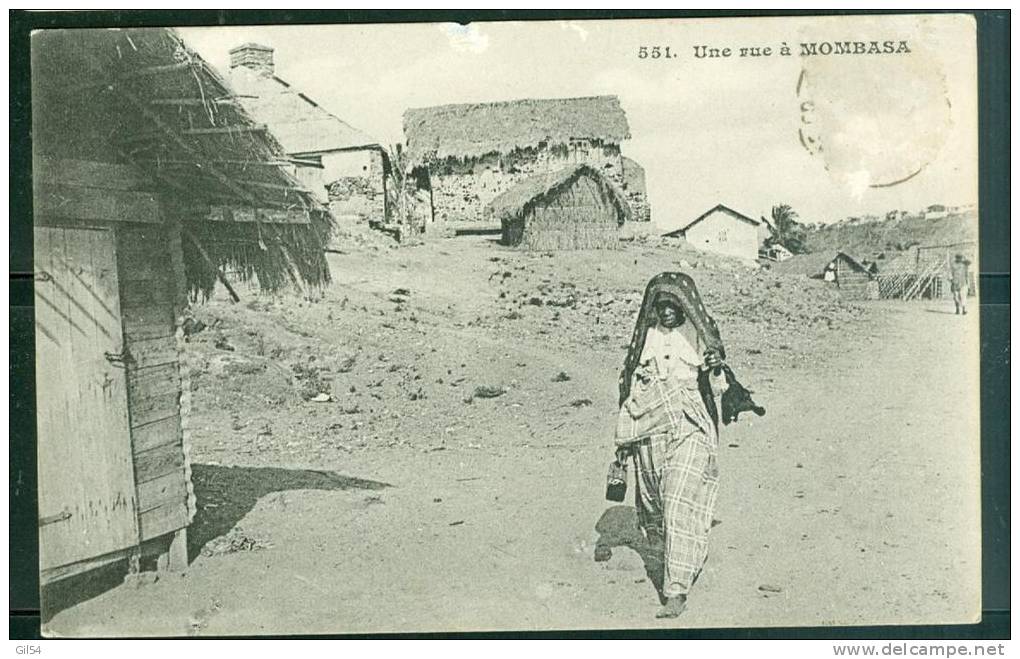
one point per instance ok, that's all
(142, 97)
(472, 130)
(148, 180)
(574, 208)
(814, 264)
(853, 278)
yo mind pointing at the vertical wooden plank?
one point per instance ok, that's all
(116, 411)
(60, 412)
(87, 444)
(101, 382)
(78, 248)
(99, 391)
(53, 336)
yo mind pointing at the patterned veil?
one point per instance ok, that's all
(682, 288)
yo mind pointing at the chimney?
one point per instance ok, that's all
(253, 56)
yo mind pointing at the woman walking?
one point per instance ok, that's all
(668, 424)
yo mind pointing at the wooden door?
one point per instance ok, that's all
(86, 476)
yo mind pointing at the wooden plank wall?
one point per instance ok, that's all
(149, 298)
(98, 192)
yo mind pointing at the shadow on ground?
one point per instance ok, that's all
(224, 495)
(618, 527)
(59, 595)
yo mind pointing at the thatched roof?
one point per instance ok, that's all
(814, 263)
(518, 200)
(472, 130)
(302, 125)
(808, 265)
(140, 96)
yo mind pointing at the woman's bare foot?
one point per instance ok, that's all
(673, 608)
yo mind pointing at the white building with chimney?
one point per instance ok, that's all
(341, 164)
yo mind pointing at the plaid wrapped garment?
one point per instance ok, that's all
(674, 443)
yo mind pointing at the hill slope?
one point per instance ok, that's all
(869, 239)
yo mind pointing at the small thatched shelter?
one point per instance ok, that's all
(849, 275)
(470, 153)
(574, 208)
(149, 180)
(813, 264)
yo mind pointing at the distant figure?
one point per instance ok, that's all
(960, 283)
(830, 273)
(668, 424)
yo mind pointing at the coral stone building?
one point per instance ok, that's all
(466, 155)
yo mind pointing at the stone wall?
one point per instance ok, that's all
(638, 203)
(635, 191)
(462, 189)
(358, 196)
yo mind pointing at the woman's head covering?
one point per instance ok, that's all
(679, 289)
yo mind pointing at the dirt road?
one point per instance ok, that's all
(853, 500)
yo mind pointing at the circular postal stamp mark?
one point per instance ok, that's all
(874, 121)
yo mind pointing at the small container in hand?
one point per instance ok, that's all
(616, 481)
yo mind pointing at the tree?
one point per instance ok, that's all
(786, 230)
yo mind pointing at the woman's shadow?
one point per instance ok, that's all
(618, 527)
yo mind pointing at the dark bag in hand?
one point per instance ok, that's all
(737, 399)
(616, 481)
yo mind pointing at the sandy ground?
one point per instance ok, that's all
(408, 504)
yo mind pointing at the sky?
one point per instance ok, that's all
(815, 132)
